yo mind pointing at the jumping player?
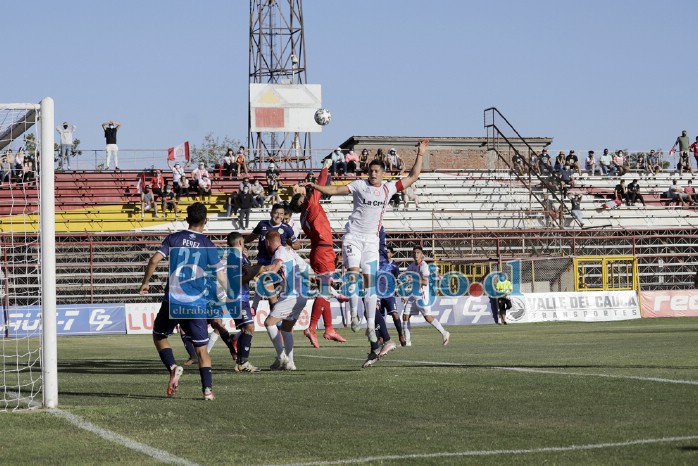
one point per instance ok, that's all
(316, 226)
(196, 329)
(360, 242)
(413, 305)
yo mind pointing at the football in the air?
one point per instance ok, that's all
(323, 117)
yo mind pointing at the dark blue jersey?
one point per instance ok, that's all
(207, 259)
(264, 227)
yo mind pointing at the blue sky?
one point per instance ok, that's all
(593, 74)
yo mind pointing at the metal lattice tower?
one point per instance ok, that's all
(277, 55)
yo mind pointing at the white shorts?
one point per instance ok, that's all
(359, 251)
(413, 309)
(112, 148)
(289, 308)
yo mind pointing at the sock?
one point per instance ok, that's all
(244, 345)
(288, 344)
(275, 338)
(327, 317)
(167, 358)
(255, 302)
(406, 330)
(206, 377)
(189, 346)
(212, 339)
(227, 339)
(374, 347)
(437, 325)
(353, 305)
(370, 309)
(318, 310)
(398, 325)
(382, 328)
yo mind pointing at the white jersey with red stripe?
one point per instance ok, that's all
(370, 203)
(424, 272)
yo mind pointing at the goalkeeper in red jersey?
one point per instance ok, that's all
(316, 226)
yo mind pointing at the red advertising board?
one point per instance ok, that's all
(669, 303)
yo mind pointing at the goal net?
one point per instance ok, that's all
(28, 361)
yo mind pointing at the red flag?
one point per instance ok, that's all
(179, 153)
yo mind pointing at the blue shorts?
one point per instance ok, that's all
(387, 305)
(246, 316)
(195, 329)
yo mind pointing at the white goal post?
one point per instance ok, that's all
(22, 351)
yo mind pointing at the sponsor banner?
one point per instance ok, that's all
(79, 319)
(600, 306)
(669, 303)
(140, 318)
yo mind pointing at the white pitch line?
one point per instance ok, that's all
(595, 446)
(524, 369)
(160, 455)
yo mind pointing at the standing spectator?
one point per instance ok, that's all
(634, 193)
(517, 164)
(565, 180)
(110, 128)
(549, 210)
(576, 209)
(148, 203)
(653, 163)
(6, 162)
(363, 161)
(157, 184)
(273, 190)
(230, 206)
(241, 162)
(66, 131)
(573, 162)
(244, 203)
(257, 191)
(272, 171)
(590, 165)
(683, 142)
(684, 163)
(339, 166)
(544, 162)
(621, 194)
(352, 160)
(694, 148)
(229, 165)
(18, 167)
(619, 163)
(606, 163)
(197, 175)
(204, 187)
(179, 180)
(503, 302)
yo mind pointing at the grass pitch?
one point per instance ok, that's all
(495, 395)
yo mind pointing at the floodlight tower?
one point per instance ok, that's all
(277, 56)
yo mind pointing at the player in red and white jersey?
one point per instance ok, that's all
(316, 227)
(415, 305)
(360, 242)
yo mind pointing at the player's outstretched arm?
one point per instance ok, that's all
(149, 271)
(417, 167)
(331, 190)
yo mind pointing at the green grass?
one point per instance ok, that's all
(408, 403)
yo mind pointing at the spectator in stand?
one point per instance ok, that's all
(380, 156)
(197, 175)
(244, 202)
(606, 163)
(339, 166)
(394, 160)
(179, 180)
(272, 171)
(544, 162)
(549, 209)
(676, 194)
(559, 162)
(653, 163)
(205, 187)
(620, 193)
(684, 163)
(66, 131)
(230, 206)
(157, 183)
(6, 162)
(411, 194)
(148, 203)
(640, 162)
(257, 191)
(245, 183)
(352, 160)
(169, 202)
(694, 148)
(241, 162)
(273, 190)
(683, 142)
(18, 167)
(309, 177)
(517, 164)
(591, 166)
(619, 163)
(229, 165)
(573, 162)
(690, 192)
(633, 192)
(363, 161)
(565, 177)
(533, 164)
(576, 209)
(110, 128)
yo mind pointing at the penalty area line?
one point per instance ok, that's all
(528, 451)
(522, 369)
(160, 455)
